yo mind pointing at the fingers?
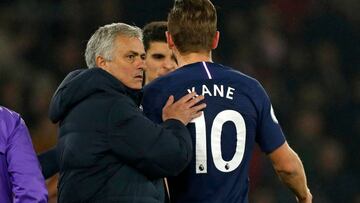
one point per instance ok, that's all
(187, 97)
(169, 101)
(184, 109)
(199, 107)
(198, 114)
(195, 100)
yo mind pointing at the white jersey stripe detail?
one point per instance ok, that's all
(207, 70)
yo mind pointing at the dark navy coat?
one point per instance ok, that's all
(108, 151)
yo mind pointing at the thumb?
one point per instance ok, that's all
(169, 101)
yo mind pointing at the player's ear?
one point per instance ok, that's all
(216, 40)
(101, 62)
(169, 40)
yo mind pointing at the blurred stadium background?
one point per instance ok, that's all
(306, 54)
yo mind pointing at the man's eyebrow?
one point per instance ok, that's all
(137, 53)
(134, 52)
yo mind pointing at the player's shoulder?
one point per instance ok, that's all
(162, 83)
(234, 74)
(155, 85)
(8, 115)
(8, 120)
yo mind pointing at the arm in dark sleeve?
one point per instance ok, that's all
(49, 163)
(269, 133)
(24, 169)
(153, 149)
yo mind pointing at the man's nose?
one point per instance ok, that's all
(169, 65)
(141, 64)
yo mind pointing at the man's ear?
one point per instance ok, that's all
(101, 62)
(215, 40)
(169, 40)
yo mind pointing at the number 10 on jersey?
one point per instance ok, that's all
(215, 139)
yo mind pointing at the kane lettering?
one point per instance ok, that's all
(215, 91)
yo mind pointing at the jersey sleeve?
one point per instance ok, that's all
(269, 134)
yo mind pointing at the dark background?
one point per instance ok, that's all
(304, 52)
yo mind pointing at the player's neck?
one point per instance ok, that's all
(185, 59)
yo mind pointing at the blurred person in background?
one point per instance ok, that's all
(108, 151)
(160, 59)
(238, 114)
(20, 174)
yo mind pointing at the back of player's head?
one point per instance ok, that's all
(154, 32)
(192, 25)
(102, 43)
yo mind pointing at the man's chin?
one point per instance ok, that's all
(137, 86)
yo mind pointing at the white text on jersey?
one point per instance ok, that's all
(215, 91)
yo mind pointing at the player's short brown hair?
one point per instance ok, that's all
(192, 25)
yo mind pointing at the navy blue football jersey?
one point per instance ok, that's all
(238, 114)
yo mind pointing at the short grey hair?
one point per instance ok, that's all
(101, 42)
